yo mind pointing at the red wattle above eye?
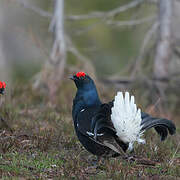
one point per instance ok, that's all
(80, 74)
(1, 85)
(4, 84)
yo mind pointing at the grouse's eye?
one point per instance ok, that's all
(80, 74)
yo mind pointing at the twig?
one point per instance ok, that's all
(172, 159)
(153, 107)
(108, 14)
(35, 9)
(71, 48)
(140, 160)
(38, 43)
(147, 39)
(117, 23)
(129, 80)
(131, 22)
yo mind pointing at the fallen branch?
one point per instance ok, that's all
(140, 160)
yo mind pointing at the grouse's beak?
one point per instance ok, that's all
(71, 77)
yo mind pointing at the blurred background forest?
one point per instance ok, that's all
(125, 45)
(130, 45)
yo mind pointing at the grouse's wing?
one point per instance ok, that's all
(95, 123)
(101, 121)
(84, 119)
(103, 130)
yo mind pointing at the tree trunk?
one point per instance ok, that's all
(164, 48)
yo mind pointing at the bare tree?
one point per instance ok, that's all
(160, 23)
(53, 70)
(164, 44)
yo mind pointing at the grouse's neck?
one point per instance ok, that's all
(85, 97)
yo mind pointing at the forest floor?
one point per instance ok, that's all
(37, 141)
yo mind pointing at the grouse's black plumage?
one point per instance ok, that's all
(93, 125)
(2, 87)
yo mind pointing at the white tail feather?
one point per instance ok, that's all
(126, 118)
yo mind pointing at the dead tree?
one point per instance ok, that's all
(163, 49)
(160, 22)
(164, 44)
(53, 70)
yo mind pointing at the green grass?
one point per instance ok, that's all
(43, 144)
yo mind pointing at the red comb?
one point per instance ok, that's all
(80, 74)
(2, 85)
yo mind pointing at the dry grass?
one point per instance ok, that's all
(43, 144)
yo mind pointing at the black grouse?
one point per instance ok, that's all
(2, 87)
(109, 129)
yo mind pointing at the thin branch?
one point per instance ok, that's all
(91, 15)
(153, 1)
(108, 14)
(116, 23)
(131, 80)
(131, 22)
(147, 39)
(35, 9)
(71, 48)
(173, 156)
(86, 62)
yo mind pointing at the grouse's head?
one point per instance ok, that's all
(2, 87)
(81, 79)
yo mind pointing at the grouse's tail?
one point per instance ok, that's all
(126, 118)
(162, 126)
